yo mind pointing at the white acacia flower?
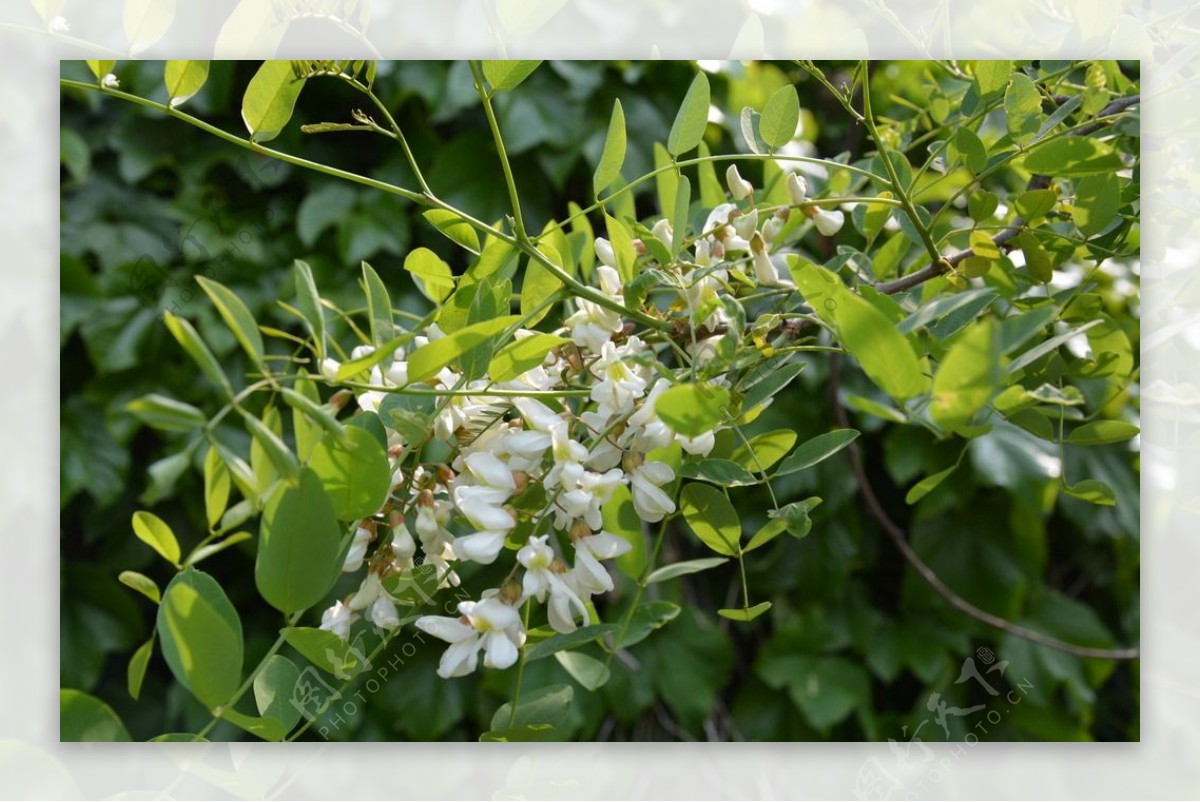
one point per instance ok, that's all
(593, 325)
(700, 444)
(541, 578)
(619, 384)
(797, 187)
(488, 624)
(663, 232)
(490, 470)
(383, 613)
(370, 590)
(481, 547)
(827, 222)
(645, 485)
(482, 506)
(358, 550)
(337, 619)
(590, 576)
(404, 548)
(739, 187)
(747, 224)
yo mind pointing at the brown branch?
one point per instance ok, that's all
(927, 574)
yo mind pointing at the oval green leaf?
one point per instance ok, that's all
(299, 542)
(613, 155)
(693, 409)
(712, 518)
(184, 79)
(154, 532)
(269, 99)
(83, 717)
(201, 637)
(780, 117)
(354, 472)
(692, 118)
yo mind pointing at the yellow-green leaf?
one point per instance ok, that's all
(455, 228)
(432, 276)
(967, 376)
(236, 316)
(780, 117)
(269, 99)
(613, 156)
(154, 532)
(712, 518)
(692, 118)
(299, 543)
(201, 637)
(184, 79)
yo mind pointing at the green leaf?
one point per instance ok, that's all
(924, 487)
(622, 244)
(885, 355)
(569, 640)
(455, 228)
(524, 733)
(1093, 491)
(967, 376)
(236, 316)
(305, 432)
(221, 545)
(587, 671)
(1073, 155)
(505, 76)
(683, 568)
(1041, 349)
(135, 672)
(1037, 261)
(764, 450)
(971, 149)
(413, 587)
(145, 21)
(354, 472)
(166, 413)
(648, 617)
(281, 457)
(269, 99)
(1102, 432)
(425, 362)
(613, 155)
(981, 205)
(83, 717)
(154, 532)
(719, 471)
(692, 118)
(313, 411)
(299, 542)
(268, 729)
(186, 336)
(712, 518)
(693, 409)
(795, 516)
(769, 531)
(308, 301)
(1036, 204)
(432, 276)
(216, 486)
(751, 126)
(548, 705)
(1097, 200)
(818, 449)
(992, 76)
(274, 688)
(201, 637)
(712, 193)
(741, 614)
(679, 219)
(539, 286)
(379, 307)
(522, 355)
(184, 79)
(780, 117)
(325, 650)
(101, 68)
(1023, 107)
(141, 583)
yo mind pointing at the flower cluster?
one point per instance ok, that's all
(525, 440)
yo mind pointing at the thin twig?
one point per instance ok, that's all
(926, 573)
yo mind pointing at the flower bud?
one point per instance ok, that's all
(329, 368)
(510, 593)
(604, 252)
(110, 81)
(59, 25)
(797, 187)
(579, 530)
(703, 253)
(739, 187)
